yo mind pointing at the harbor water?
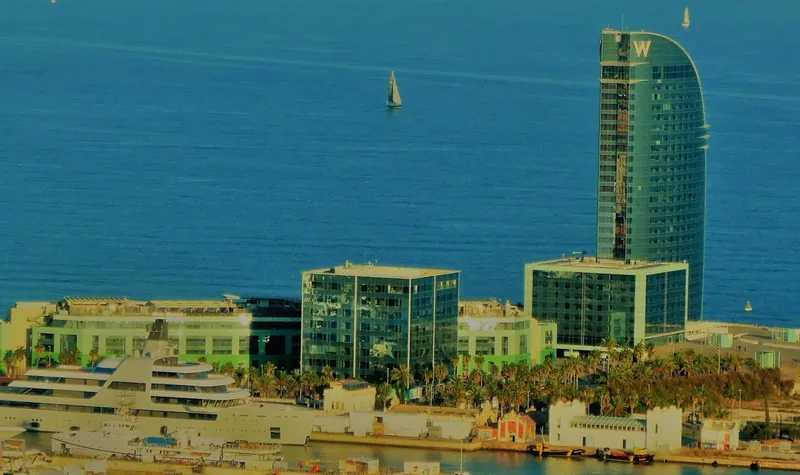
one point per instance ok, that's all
(477, 463)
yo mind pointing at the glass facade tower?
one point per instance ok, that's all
(593, 300)
(652, 154)
(363, 320)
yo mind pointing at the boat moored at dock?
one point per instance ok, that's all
(544, 450)
(637, 456)
(165, 394)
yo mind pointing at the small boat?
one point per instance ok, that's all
(755, 466)
(393, 100)
(748, 307)
(544, 450)
(637, 456)
(686, 18)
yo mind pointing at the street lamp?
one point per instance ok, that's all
(740, 400)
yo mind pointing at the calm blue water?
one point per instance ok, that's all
(186, 148)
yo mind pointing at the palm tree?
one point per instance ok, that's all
(8, 361)
(39, 350)
(94, 356)
(440, 372)
(639, 351)
(21, 359)
(382, 394)
(252, 377)
(479, 360)
(427, 375)
(401, 375)
(269, 368)
(326, 377)
(308, 380)
(465, 361)
(650, 348)
(610, 345)
(228, 368)
(455, 362)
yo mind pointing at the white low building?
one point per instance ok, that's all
(719, 435)
(659, 430)
(347, 396)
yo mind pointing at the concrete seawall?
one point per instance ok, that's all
(730, 461)
(390, 441)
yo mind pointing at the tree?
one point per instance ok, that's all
(427, 375)
(382, 394)
(465, 361)
(269, 368)
(455, 361)
(9, 361)
(39, 350)
(440, 372)
(94, 356)
(402, 377)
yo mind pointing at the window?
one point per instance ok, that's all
(115, 345)
(221, 345)
(244, 346)
(125, 386)
(196, 345)
(275, 433)
(504, 349)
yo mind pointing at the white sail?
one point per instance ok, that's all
(394, 93)
(686, 18)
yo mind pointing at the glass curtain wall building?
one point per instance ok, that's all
(593, 300)
(243, 332)
(652, 155)
(364, 320)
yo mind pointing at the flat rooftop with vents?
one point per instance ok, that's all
(386, 272)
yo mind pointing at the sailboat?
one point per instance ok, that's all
(748, 307)
(686, 18)
(393, 100)
(461, 469)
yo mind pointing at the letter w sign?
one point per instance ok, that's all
(642, 48)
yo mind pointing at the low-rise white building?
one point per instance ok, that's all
(719, 435)
(398, 424)
(659, 430)
(347, 396)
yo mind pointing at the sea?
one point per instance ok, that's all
(182, 149)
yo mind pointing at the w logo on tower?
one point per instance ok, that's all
(642, 48)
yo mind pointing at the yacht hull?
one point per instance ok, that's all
(279, 424)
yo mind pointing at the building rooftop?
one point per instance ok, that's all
(123, 306)
(387, 272)
(490, 307)
(599, 264)
(609, 423)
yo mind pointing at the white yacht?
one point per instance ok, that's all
(164, 394)
(123, 438)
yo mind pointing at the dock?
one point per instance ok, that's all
(392, 441)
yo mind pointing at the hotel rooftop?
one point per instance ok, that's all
(613, 266)
(386, 272)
